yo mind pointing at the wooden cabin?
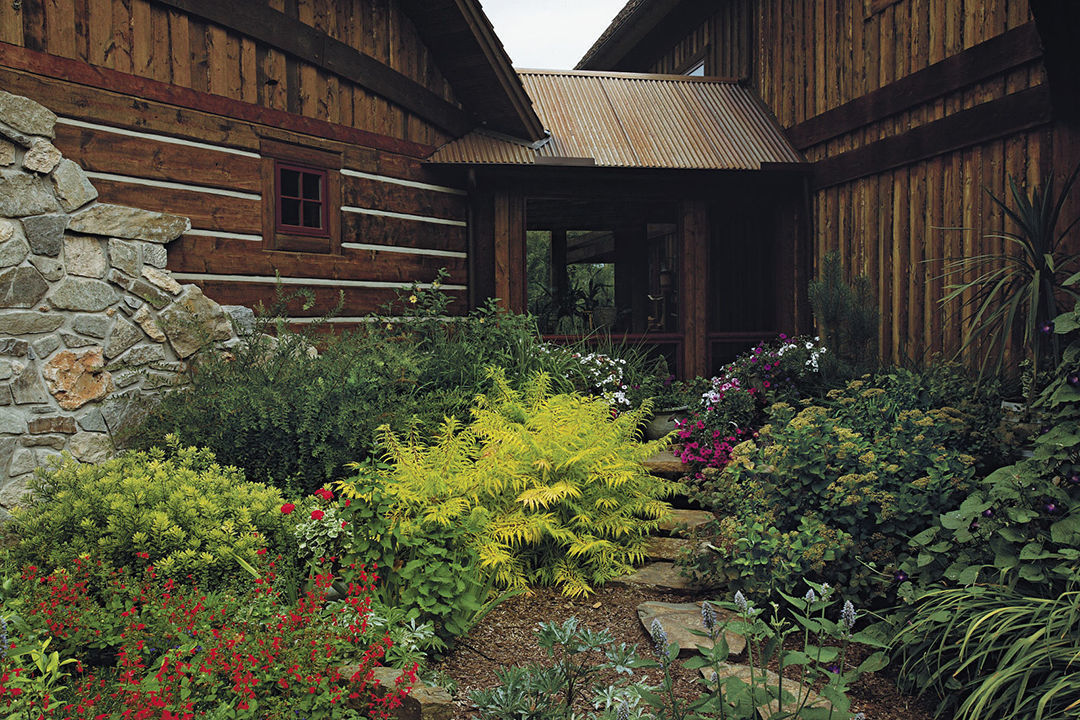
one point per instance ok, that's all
(293, 133)
(906, 110)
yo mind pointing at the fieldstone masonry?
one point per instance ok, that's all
(92, 327)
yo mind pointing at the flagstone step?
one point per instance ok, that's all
(661, 575)
(665, 464)
(670, 549)
(797, 690)
(678, 619)
(681, 523)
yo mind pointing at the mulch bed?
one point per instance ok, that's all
(506, 637)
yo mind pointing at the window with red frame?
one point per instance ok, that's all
(301, 205)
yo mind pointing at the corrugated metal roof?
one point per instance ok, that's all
(635, 120)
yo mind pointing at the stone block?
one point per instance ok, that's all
(50, 268)
(662, 575)
(424, 702)
(7, 449)
(29, 322)
(162, 279)
(45, 233)
(72, 186)
(14, 347)
(23, 194)
(56, 442)
(150, 293)
(92, 421)
(139, 356)
(795, 690)
(52, 424)
(9, 369)
(242, 318)
(42, 157)
(155, 255)
(124, 412)
(149, 324)
(7, 153)
(92, 325)
(45, 347)
(124, 255)
(684, 522)
(72, 340)
(127, 377)
(124, 334)
(90, 447)
(27, 116)
(85, 294)
(85, 256)
(21, 287)
(12, 421)
(75, 379)
(679, 619)
(20, 139)
(13, 245)
(5, 395)
(17, 490)
(27, 388)
(130, 223)
(194, 320)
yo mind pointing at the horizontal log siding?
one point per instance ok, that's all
(153, 41)
(205, 166)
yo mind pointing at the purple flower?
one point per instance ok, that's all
(1073, 379)
(1074, 478)
(1046, 328)
(1050, 508)
(900, 576)
(834, 668)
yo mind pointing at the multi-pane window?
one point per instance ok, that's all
(301, 200)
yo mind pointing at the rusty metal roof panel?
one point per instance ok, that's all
(637, 120)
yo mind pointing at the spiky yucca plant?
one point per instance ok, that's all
(553, 483)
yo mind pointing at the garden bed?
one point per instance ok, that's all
(506, 637)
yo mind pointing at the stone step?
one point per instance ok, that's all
(661, 575)
(670, 549)
(665, 464)
(682, 523)
(424, 702)
(678, 619)
(766, 711)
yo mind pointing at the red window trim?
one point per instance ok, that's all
(324, 210)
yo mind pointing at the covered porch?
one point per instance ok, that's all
(652, 223)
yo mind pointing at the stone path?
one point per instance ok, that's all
(796, 690)
(679, 619)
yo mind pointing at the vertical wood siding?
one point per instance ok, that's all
(806, 57)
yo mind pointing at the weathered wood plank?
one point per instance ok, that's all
(377, 230)
(208, 212)
(380, 195)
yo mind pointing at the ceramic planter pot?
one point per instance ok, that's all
(663, 422)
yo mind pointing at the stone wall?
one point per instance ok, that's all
(92, 327)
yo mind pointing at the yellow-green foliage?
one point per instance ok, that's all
(187, 514)
(552, 484)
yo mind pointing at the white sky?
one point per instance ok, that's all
(551, 34)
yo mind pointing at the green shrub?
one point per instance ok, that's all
(848, 317)
(548, 488)
(1020, 526)
(853, 476)
(177, 509)
(990, 653)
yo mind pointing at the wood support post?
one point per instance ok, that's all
(510, 275)
(693, 286)
(632, 276)
(559, 278)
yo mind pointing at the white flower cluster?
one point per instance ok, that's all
(603, 373)
(814, 346)
(720, 385)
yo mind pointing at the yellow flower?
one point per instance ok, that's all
(435, 285)
(412, 299)
(389, 326)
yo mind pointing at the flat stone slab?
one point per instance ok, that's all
(683, 522)
(678, 619)
(791, 686)
(665, 548)
(665, 464)
(662, 575)
(424, 702)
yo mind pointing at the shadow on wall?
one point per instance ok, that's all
(92, 327)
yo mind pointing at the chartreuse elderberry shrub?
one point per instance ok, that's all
(545, 488)
(834, 488)
(176, 508)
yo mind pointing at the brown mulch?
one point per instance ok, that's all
(506, 637)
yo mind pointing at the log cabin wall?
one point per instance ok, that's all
(169, 111)
(901, 152)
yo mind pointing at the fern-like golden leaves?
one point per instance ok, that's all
(551, 487)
